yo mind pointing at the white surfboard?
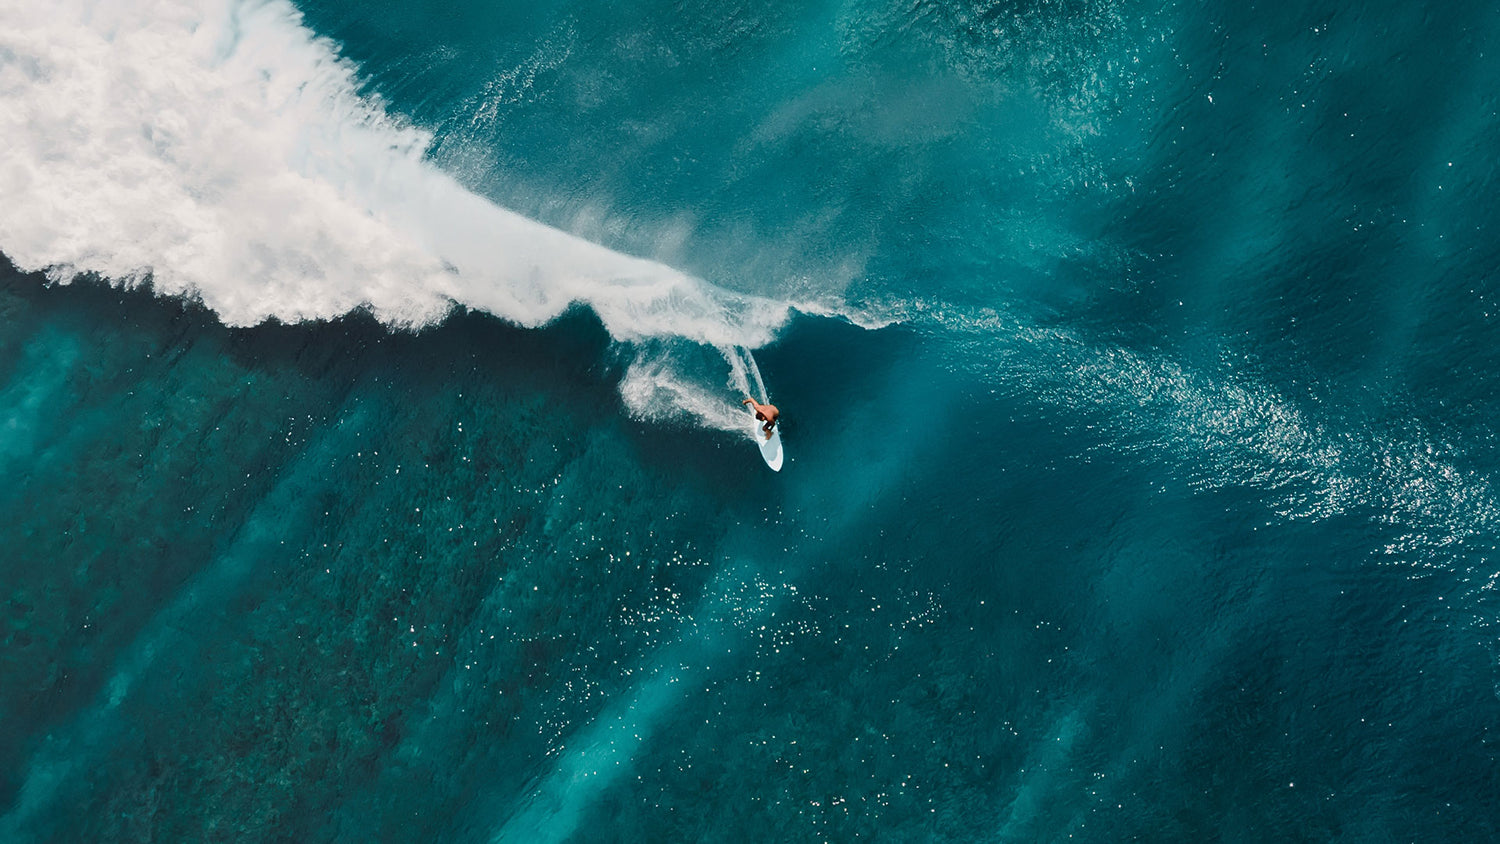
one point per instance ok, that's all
(770, 449)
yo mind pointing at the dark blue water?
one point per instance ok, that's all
(1138, 401)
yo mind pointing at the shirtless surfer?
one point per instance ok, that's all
(766, 413)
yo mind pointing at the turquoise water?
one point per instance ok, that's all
(1136, 366)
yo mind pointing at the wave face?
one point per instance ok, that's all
(222, 151)
(226, 153)
(383, 477)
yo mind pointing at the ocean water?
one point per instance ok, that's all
(373, 468)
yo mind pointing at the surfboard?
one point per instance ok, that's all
(770, 449)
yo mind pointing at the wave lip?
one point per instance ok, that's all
(222, 150)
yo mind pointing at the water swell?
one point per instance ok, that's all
(224, 152)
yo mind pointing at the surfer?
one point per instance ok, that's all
(766, 413)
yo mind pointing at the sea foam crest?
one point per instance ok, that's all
(221, 149)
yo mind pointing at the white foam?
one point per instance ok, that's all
(222, 150)
(659, 386)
